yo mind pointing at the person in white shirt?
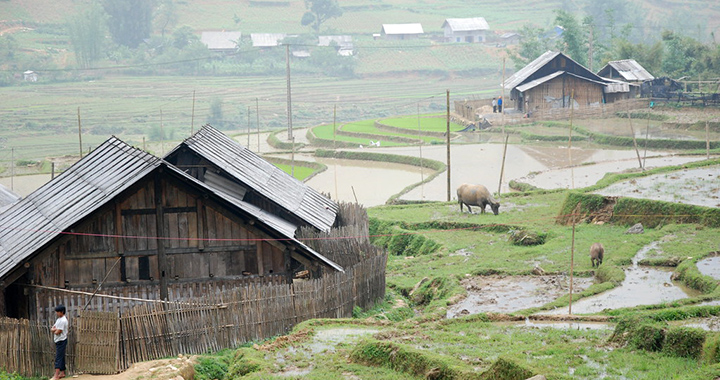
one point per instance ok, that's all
(60, 334)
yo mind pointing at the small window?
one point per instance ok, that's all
(143, 268)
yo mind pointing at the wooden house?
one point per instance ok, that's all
(472, 29)
(553, 80)
(139, 226)
(224, 42)
(624, 78)
(401, 31)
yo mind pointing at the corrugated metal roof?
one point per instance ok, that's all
(220, 40)
(539, 81)
(414, 28)
(466, 24)
(267, 179)
(40, 217)
(266, 39)
(521, 75)
(556, 74)
(630, 70)
(89, 184)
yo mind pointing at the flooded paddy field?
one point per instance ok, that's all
(700, 186)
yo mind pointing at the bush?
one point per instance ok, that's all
(684, 342)
(711, 349)
(526, 238)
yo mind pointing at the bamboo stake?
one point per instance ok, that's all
(634, 140)
(647, 137)
(502, 167)
(448, 143)
(576, 212)
(707, 139)
(80, 133)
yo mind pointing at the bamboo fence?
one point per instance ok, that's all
(109, 342)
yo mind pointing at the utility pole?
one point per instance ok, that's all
(590, 49)
(289, 99)
(192, 116)
(248, 123)
(447, 132)
(80, 133)
(257, 122)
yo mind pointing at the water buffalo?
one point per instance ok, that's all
(476, 195)
(597, 251)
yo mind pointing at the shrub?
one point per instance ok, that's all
(684, 342)
(711, 349)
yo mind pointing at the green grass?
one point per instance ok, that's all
(430, 124)
(368, 126)
(301, 172)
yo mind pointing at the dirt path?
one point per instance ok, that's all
(162, 369)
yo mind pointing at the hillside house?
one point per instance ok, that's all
(627, 71)
(553, 80)
(266, 39)
(472, 29)
(401, 31)
(30, 76)
(344, 44)
(224, 42)
(143, 227)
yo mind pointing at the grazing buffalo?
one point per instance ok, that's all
(476, 195)
(597, 251)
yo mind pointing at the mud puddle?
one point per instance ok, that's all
(293, 361)
(589, 174)
(507, 294)
(642, 286)
(710, 267)
(699, 186)
(707, 324)
(569, 325)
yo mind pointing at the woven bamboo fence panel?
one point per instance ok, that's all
(96, 347)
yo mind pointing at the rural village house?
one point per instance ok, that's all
(225, 42)
(472, 29)
(266, 39)
(212, 212)
(554, 80)
(624, 79)
(344, 44)
(401, 31)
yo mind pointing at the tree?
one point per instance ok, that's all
(573, 39)
(319, 11)
(533, 44)
(165, 15)
(130, 21)
(87, 35)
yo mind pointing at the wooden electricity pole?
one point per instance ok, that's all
(289, 98)
(447, 101)
(80, 133)
(192, 116)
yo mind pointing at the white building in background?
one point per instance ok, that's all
(401, 31)
(221, 41)
(472, 29)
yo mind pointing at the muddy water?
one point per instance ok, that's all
(710, 267)
(569, 325)
(642, 286)
(699, 186)
(507, 294)
(471, 163)
(587, 175)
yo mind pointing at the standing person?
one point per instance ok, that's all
(59, 330)
(499, 104)
(494, 104)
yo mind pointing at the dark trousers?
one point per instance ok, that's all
(60, 354)
(494, 109)
(500, 108)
